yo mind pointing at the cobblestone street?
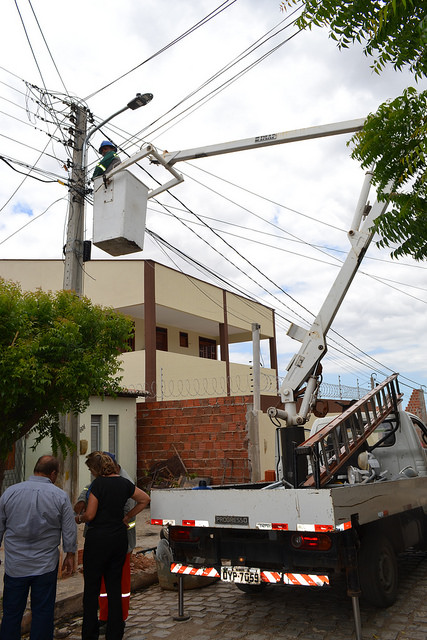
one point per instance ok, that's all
(222, 612)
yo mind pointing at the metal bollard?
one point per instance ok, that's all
(181, 617)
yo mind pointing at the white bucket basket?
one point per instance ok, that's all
(119, 211)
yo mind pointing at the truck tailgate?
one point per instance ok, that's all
(292, 509)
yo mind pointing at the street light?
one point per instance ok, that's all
(140, 100)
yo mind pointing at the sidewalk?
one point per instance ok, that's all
(69, 593)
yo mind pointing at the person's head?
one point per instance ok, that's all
(47, 466)
(113, 458)
(100, 464)
(106, 146)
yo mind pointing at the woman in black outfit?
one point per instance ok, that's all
(106, 543)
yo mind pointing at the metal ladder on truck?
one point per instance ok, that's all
(337, 441)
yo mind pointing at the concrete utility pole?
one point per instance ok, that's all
(73, 279)
(73, 268)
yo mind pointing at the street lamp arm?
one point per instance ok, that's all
(140, 100)
(93, 130)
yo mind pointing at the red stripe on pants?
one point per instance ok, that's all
(103, 600)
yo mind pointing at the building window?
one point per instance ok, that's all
(161, 339)
(207, 348)
(183, 339)
(95, 432)
(113, 434)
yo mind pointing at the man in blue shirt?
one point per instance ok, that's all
(33, 516)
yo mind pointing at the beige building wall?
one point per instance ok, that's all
(115, 283)
(133, 370)
(187, 294)
(34, 274)
(124, 408)
(242, 312)
(181, 377)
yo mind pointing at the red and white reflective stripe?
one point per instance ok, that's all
(207, 572)
(315, 527)
(272, 526)
(305, 580)
(162, 523)
(383, 514)
(344, 526)
(195, 523)
(271, 576)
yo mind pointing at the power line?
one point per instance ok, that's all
(31, 221)
(47, 47)
(197, 25)
(241, 56)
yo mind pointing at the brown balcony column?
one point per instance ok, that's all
(150, 329)
(223, 342)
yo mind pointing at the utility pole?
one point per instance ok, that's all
(73, 268)
(73, 278)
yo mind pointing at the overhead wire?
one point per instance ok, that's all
(241, 56)
(343, 350)
(381, 279)
(30, 221)
(293, 240)
(47, 47)
(10, 162)
(224, 5)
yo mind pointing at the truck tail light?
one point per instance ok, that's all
(182, 534)
(311, 542)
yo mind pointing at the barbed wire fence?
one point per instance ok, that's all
(182, 388)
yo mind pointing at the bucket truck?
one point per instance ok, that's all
(346, 500)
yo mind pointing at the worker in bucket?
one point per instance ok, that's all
(110, 159)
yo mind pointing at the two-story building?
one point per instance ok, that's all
(196, 393)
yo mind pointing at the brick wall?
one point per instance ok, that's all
(417, 405)
(209, 434)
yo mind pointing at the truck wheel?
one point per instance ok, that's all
(378, 572)
(252, 589)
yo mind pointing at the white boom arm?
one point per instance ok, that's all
(321, 131)
(168, 159)
(302, 368)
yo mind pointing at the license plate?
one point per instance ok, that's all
(241, 575)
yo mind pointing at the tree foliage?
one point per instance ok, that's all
(393, 139)
(56, 350)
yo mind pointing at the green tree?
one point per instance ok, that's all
(394, 138)
(56, 350)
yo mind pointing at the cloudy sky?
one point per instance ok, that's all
(270, 222)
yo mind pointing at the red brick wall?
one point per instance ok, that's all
(209, 434)
(417, 405)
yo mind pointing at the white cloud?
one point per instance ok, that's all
(305, 82)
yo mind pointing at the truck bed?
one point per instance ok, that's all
(288, 509)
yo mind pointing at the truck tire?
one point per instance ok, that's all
(252, 589)
(378, 572)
